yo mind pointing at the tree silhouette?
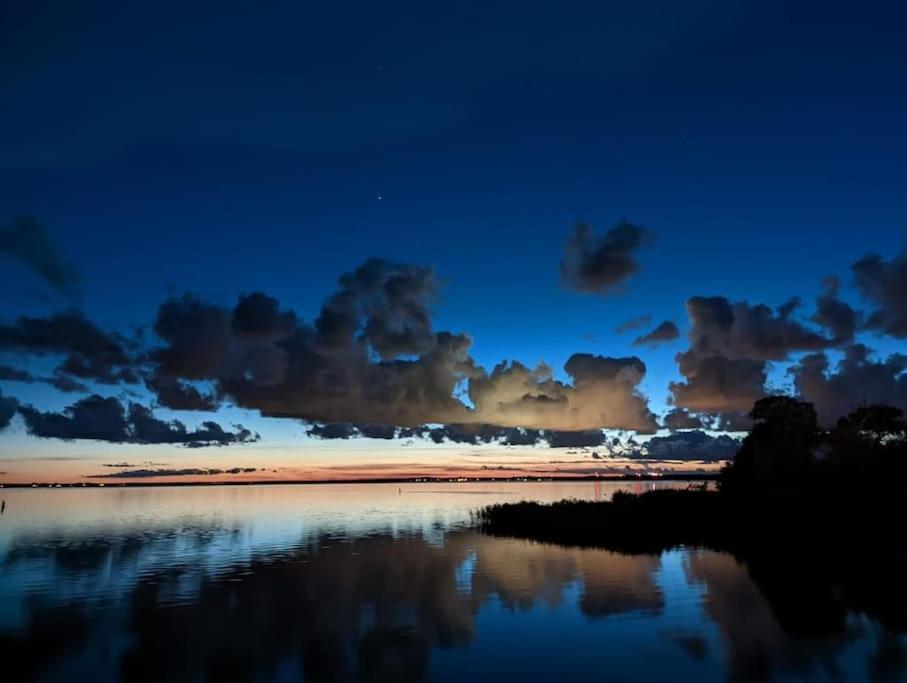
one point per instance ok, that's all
(780, 447)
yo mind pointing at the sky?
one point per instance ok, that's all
(323, 223)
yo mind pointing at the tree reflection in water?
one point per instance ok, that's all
(376, 607)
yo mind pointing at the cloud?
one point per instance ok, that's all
(8, 407)
(26, 241)
(66, 384)
(692, 445)
(180, 395)
(105, 419)
(88, 352)
(473, 434)
(636, 323)
(185, 472)
(588, 438)
(335, 430)
(857, 380)
(716, 384)
(258, 316)
(666, 331)
(884, 283)
(741, 330)
(599, 264)
(835, 315)
(372, 358)
(58, 380)
(11, 374)
(604, 394)
(678, 418)
(731, 344)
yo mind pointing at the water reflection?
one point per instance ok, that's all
(203, 596)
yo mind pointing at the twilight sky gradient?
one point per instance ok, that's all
(646, 184)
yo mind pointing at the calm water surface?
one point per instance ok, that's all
(375, 583)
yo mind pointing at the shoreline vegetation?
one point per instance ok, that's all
(790, 482)
(816, 516)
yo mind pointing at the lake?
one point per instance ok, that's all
(385, 582)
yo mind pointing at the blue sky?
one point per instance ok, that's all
(221, 150)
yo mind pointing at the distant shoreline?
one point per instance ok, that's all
(412, 480)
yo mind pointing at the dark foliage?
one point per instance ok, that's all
(831, 504)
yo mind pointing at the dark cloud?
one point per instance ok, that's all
(89, 353)
(333, 430)
(588, 438)
(666, 331)
(473, 434)
(481, 433)
(392, 299)
(11, 374)
(336, 370)
(27, 241)
(599, 264)
(58, 380)
(105, 419)
(731, 345)
(259, 316)
(835, 315)
(884, 283)
(678, 418)
(66, 384)
(455, 433)
(8, 407)
(197, 338)
(372, 358)
(742, 330)
(857, 380)
(716, 384)
(180, 395)
(692, 445)
(636, 323)
(185, 472)
(378, 431)
(521, 437)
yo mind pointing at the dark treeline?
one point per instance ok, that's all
(788, 476)
(787, 451)
(817, 515)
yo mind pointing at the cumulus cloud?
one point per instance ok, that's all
(334, 430)
(372, 358)
(587, 438)
(180, 395)
(88, 352)
(857, 380)
(716, 384)
(678, 418)
(600, 263)
(27, 241)
(741, 330)
(884, 283)
(836, 316)
(731, 344)
(473, 434)
(106, 419)
(692, 445)
(666, 331)
(8, 407)
(604, 393)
